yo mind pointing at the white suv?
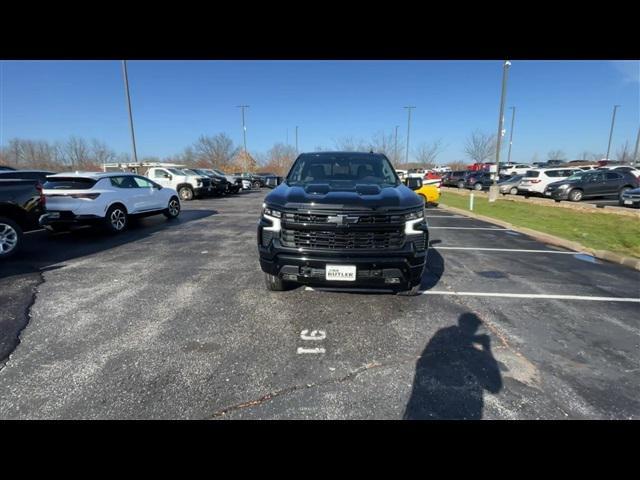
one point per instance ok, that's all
(107, 199)
(515, 169)
(536, 180)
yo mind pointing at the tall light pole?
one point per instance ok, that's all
(395, 149)
(296, 140)
(126, 87)
(244, 135)
(613, 121)
(408, 131)
(635, 152)
(493, 194)
(513, 118)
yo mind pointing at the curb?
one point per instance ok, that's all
(553, 240)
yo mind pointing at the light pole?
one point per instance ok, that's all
(126, 87)
(613, 121)
(244, 135)
(395, 149)
(408, 131)
(493, 191)
(513, 118)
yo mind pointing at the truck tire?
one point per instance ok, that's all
(173, 208)
(186, 193)
(10, 238)
(412, 292)
(273, 283)
(116, 219)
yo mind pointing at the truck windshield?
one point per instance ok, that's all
(342, 169)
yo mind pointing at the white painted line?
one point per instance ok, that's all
(468, 228)
(447, 216)
(308, 289)
(310, 350)
(514, 250)
(534, 295)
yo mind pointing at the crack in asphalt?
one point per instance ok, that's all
(270, 396)
(27, 319)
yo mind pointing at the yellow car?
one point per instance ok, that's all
(430, 193)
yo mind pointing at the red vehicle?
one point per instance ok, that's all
(431, 178)
(477, 167)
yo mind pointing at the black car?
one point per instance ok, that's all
(594, 183)
(343, 219)
(481, 180)
(452, 179)
(40, 175)
(5, 168)
(219, 184)
(21, 205)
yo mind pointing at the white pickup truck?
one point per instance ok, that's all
(188, 186)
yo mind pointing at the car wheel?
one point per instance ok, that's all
(477, 186)
(255, 185)
(575, 195)
(412, 292)
(116, 219)
(513, 191)
(622, 192)
(10, 237)
(460, 184)
(274, 284)
(186, 193)
(173, 208)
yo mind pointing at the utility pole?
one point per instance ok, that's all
(296, 140)
(408, 131)
(244, 135)
(395, 149)
(613, 121)
(126, 87)
(493, 191)
(513, 118)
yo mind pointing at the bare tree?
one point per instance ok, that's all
(624, 153)
(217, 151)
(75, 153)
(457, 166)
(426, 153)
(280, 158)
(101, 153)
(350, 144)
(480, 146)
(556, 155)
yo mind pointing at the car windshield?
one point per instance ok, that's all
(343, 169)
(515, 178)
(577, 175)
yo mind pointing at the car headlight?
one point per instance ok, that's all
(563, 186)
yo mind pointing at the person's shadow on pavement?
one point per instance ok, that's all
(455, 368)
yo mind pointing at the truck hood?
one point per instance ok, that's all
(360, 196)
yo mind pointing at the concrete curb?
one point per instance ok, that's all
(553, 240)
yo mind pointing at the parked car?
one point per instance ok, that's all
(255, 180)
(108, 199)
(40, 175)
(272, 181)
(480, 180)
(235, 183)
(21, 205)
(596, 183)
(3, 168)
(219, 185)
(510, 185)
(623, 168)
(343, 219)
(430, 193)
(402, 174)
(186, 184)
(535, 181)
(515, 169)
(630, 198)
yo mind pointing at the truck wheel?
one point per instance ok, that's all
(186, 193)
(273, 283)
(173, 208)
(10, 238)
(116, 219)
(460, 184)
(412, 292)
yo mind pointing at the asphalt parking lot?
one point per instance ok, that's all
(171, 320)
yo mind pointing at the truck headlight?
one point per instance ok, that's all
(411, 220)
(273, 216)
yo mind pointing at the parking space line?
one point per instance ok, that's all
(448, 216)
(513, 250)
(467, 228)
(533, 296)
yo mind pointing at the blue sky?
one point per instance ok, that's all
(560, 104)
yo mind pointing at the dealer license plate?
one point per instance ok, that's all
(341, 273)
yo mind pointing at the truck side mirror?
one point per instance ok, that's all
(414, 183)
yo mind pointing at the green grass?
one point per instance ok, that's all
(600, 231)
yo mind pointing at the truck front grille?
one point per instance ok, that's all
(343, 240)
(320, 218)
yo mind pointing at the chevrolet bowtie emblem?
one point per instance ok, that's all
(342, 219)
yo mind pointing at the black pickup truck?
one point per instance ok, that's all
(343, 219)
(21, 204)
